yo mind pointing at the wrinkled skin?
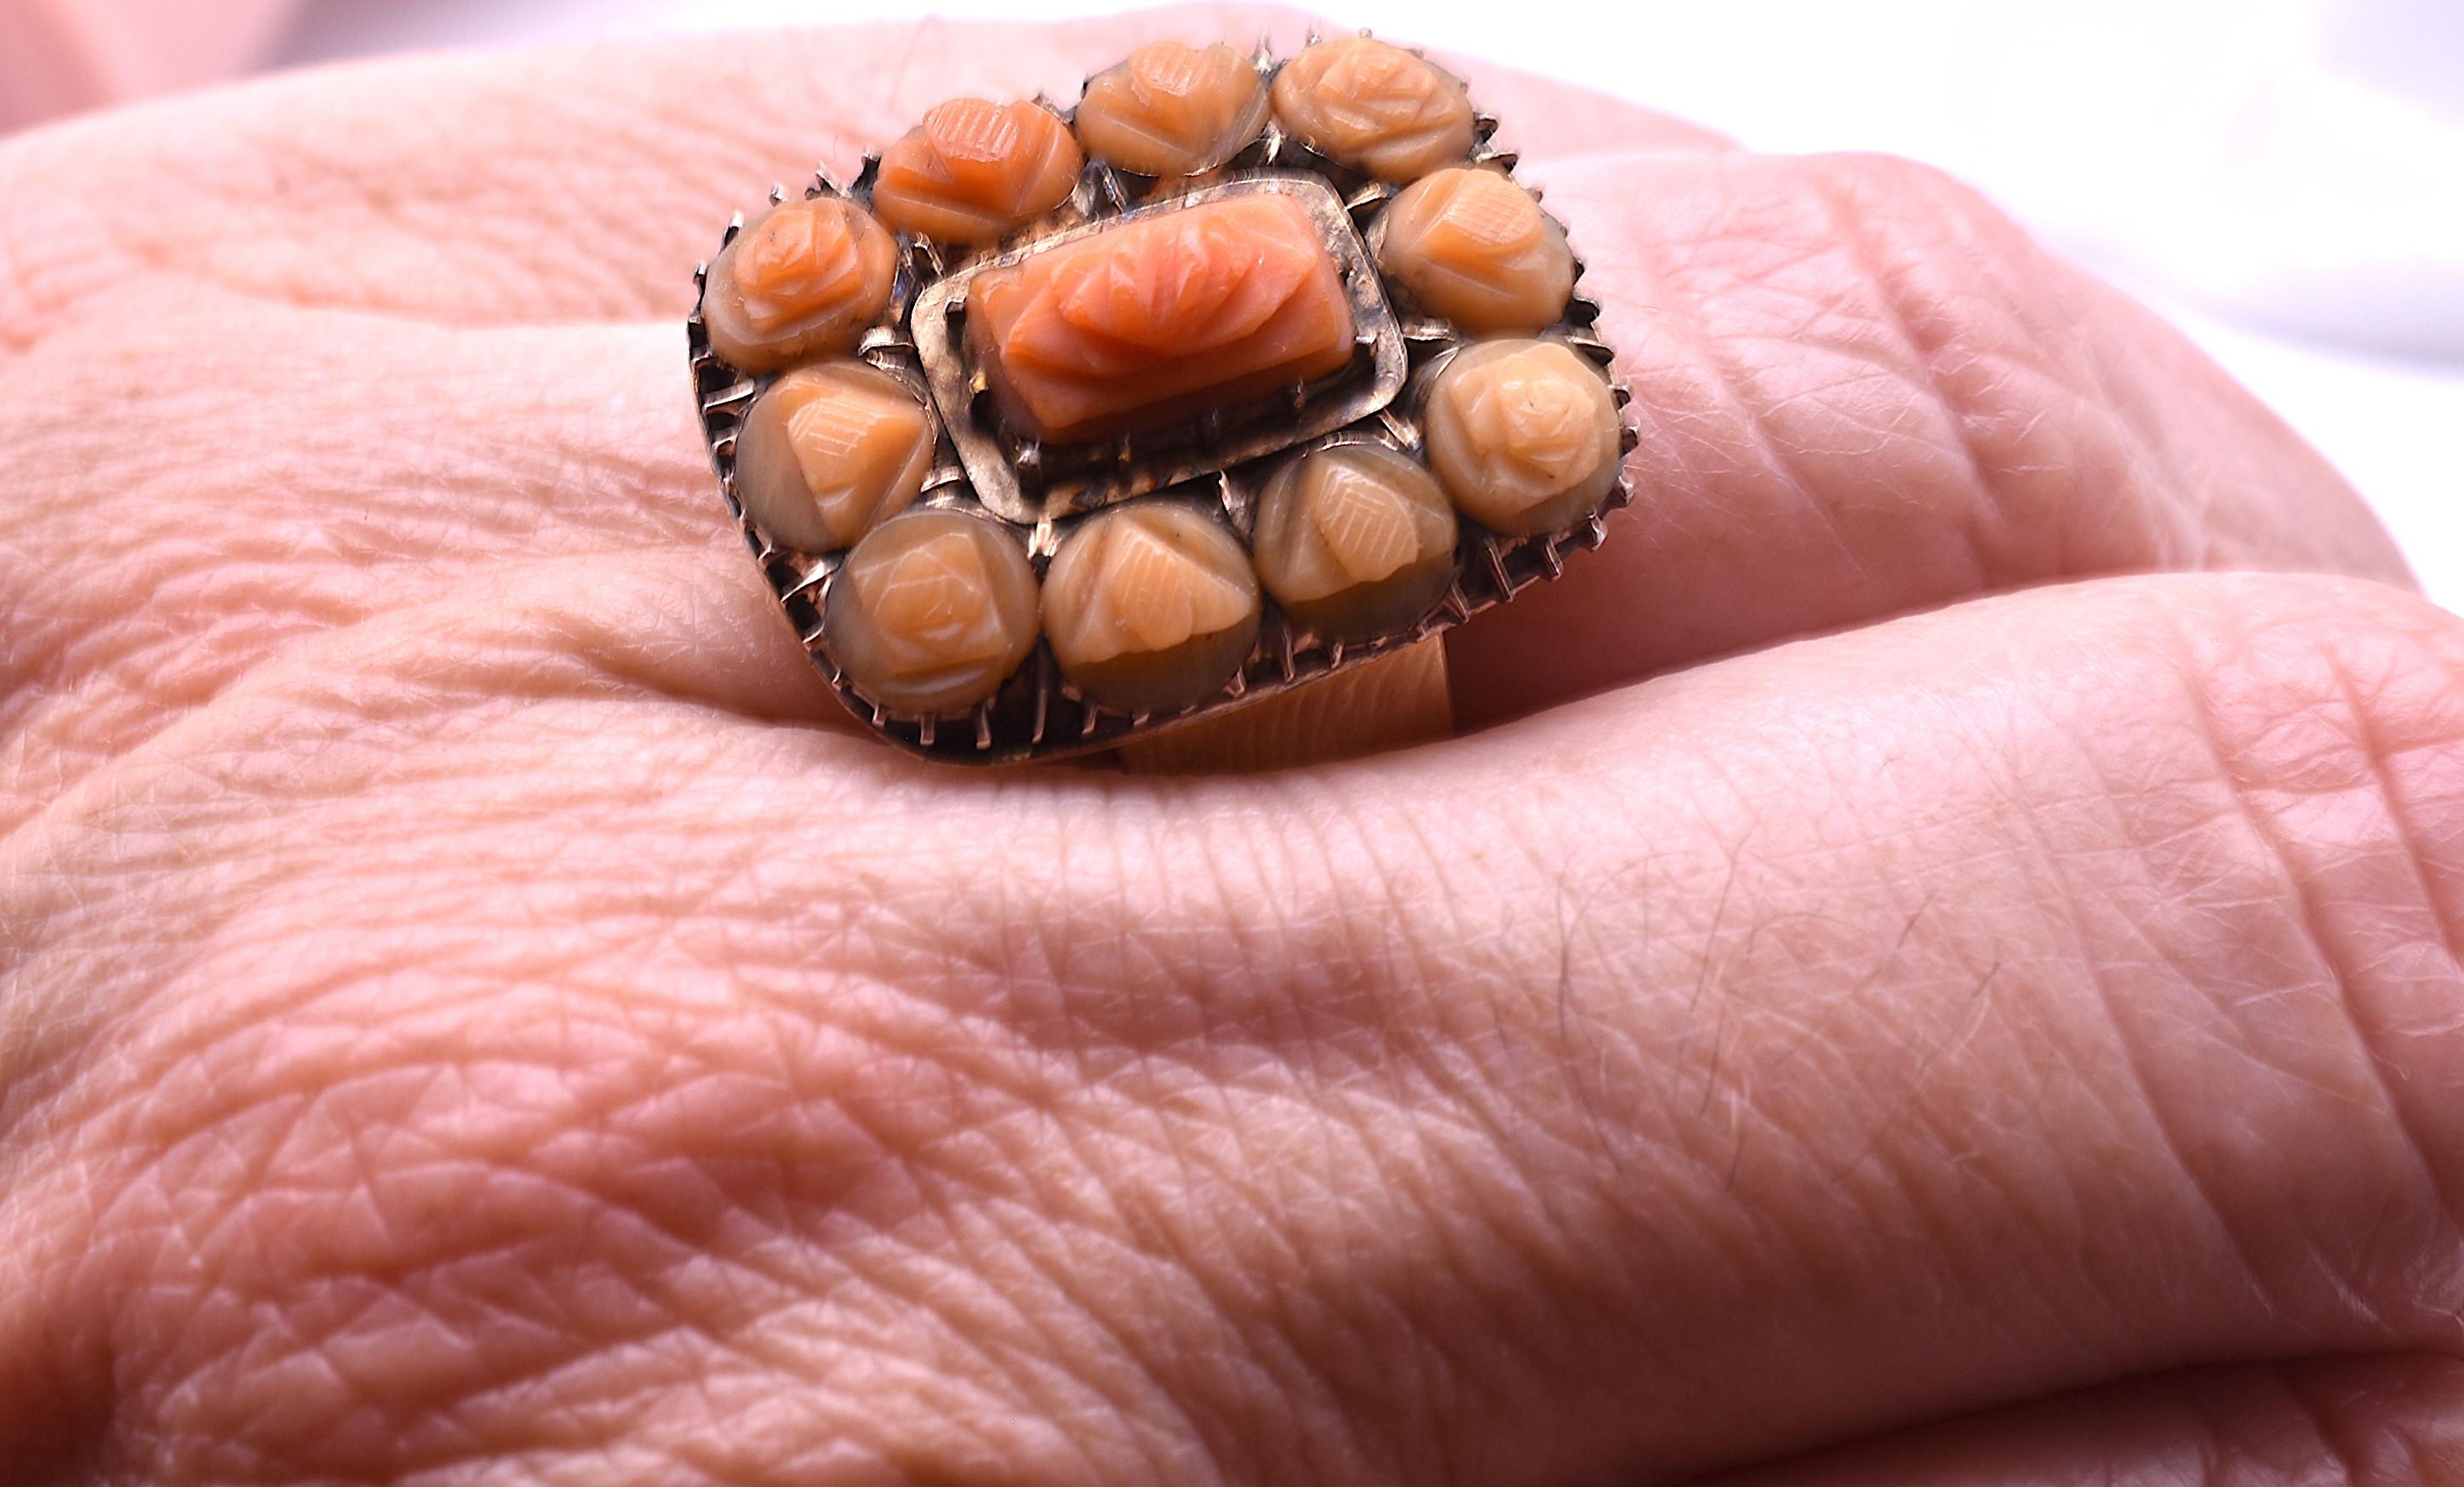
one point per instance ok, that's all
(475, 1015)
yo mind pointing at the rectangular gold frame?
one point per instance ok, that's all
(1263, 426)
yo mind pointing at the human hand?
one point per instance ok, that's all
(473, 1015)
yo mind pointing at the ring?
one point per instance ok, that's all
(1059, 429)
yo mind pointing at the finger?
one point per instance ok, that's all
(2398, 1421)
(64, 57)
(2048, 992)
(577, 185)
(1861, 390)
(196, 481)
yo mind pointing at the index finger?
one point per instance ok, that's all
(525, 188)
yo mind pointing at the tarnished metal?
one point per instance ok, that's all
(1224, 459)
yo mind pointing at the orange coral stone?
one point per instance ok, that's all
(1151, 606)
(1139, 326)
(805, 278)
(1523, 435)
(1372, 104)
(829, 451)
(932, 611)
(973, 171)
(1474, 247)
(1172, 109)
(1356, 539)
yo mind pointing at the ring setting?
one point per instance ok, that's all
(1057, 428)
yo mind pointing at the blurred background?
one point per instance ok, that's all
(2285, 178)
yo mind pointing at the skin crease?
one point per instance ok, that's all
(470, 1012)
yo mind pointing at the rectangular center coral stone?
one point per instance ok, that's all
(1160, 320)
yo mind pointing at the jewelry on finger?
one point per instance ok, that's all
(1054, 429)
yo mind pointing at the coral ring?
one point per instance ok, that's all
(1057, 430)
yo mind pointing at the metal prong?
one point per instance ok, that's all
(1497, 567)
(1405, 434)
(730, 398)
(813, 578)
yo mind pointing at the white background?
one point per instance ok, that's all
(2283, 177)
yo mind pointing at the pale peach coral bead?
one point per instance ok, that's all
(1371, 104)
(1471, 246)
(1161, 319)
(975, 171)
(1354, 541)
(1151, 606)
(932, 611)
(831, 450)
(805, 278)
(1523, 435)
(1172, 109)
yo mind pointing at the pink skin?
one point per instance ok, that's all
(473, 1015)
(64, 56)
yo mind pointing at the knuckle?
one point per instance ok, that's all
(1875, 368)
(1914, 196)
(2301, 881)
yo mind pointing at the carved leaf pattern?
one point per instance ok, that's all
(1149, 596)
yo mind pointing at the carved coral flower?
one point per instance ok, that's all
(1472, 246)
(1150, 605)
(932, 611)
(806, 277)
(1524, 435)
(1225, 298)
(973, 171)
(1172, 109)
(1372, 104)
(933, 605)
